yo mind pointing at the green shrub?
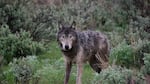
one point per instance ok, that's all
(113, 75)
(23, 69)
(14, 14)
(146, 68)
(122, 55)
(23, 15)
(139, 48)
(17, 45)
(118, 75)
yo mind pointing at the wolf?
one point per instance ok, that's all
(80, 47)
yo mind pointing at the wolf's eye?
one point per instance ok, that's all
(70, 36)
(63, 36)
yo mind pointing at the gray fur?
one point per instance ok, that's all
(86, 46)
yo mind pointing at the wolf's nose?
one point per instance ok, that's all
(66, 47)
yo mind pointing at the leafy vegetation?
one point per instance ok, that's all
(123, 55)
(118, 75)
(17, 45)
(146, 69)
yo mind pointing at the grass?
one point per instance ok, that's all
(53, 52)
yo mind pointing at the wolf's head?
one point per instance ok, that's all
(67, 36)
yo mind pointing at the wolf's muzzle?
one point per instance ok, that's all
(66, 47)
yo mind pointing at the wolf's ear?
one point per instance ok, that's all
(73, 25)
(60, 26)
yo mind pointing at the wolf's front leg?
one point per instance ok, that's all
(68, 66)
(79, 73)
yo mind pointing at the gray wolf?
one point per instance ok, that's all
(81, 47)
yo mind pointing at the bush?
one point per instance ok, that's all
(117, 75)
(14, 14)
(24, 69)
(146, 68)
(113, 76)
(22, 15)
(130, 55)
(17, 45)
(122, 55)
(31, 70)
(140, 47)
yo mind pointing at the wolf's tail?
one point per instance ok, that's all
(99, 61)
(94, 63)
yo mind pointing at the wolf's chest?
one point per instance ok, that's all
(82, 56)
